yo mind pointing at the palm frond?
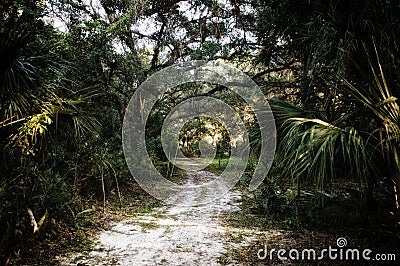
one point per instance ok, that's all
(378, 98)
(314, 151)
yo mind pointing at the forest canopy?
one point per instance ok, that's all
(329, 70)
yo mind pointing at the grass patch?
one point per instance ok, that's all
(145, 208)
(147, 226)
(240, 219)
(167, 230)
(236, 237)
(218, 165)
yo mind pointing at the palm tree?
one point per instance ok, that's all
(361, 145)
(32, 91)
(36, 101)
(345, 125)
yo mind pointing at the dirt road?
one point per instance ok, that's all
(171, 235)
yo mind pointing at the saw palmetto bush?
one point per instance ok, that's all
(379, 97)
(42, 120)
(358, 149)
(338, 140)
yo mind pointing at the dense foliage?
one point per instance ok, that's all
(69, 68)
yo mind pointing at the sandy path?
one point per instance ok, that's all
(172, 235)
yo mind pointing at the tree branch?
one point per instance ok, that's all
(277, 69)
